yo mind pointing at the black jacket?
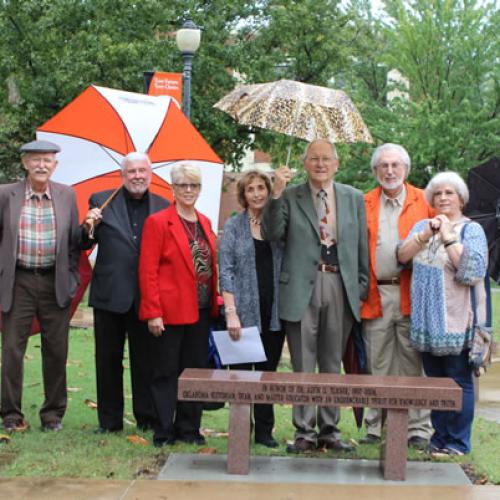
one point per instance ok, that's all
(114, 286)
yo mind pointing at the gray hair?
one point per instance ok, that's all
(181, 171)
(306, 150)
(447, 179)
(389, 146)
(133, 157)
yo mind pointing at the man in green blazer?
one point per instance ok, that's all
(324, 275)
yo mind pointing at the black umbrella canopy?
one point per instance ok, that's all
(484, 207)
(484, 188)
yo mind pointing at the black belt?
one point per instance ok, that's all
(37, 270)
(327, 268)
(391, 281)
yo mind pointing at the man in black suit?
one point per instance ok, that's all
(114, 293)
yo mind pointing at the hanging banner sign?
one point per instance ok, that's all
(166, 84)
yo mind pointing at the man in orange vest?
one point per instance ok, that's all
(392, 209)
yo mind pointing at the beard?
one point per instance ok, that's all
(392, 185)
(136, 188)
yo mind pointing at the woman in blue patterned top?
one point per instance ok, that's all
(449, 255)
(249, 271)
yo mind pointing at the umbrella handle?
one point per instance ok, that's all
(102, 207)
(288, 154)
(91, 229)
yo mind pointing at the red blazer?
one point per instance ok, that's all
(166, 270)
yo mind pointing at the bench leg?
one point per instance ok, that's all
(238, 452)
(393, 458)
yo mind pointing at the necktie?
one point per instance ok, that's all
(323, 212)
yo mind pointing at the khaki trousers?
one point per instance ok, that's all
(389, 352)
(319, 341)
(34, 295)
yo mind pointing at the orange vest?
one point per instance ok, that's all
(415, 208)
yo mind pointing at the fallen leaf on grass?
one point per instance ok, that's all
(74, 363)
(128, 422)
(220, 434)
(207, 451)
(90, 404)
(74, 389)
(4, 438)
(214, 433)
(29, 357)
(135, 439)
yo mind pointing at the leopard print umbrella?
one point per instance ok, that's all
(297, 109)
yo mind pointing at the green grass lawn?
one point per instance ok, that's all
(78, 452)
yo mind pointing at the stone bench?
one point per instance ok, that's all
(396, 395)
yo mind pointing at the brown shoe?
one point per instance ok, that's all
(15, 425)
(334, 444)
(301, 445)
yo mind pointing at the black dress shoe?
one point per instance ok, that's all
(54, 426)
(370, 439)
(267, 441)
(104, 430)
(198, 439)
(334, 444)
(301, 445)
(163, 441)
(419, 443)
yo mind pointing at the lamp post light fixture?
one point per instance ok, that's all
(188, 41)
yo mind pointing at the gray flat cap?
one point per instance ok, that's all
(40, 147)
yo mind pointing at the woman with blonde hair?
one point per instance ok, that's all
(178, 281)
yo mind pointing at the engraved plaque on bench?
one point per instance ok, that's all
(322, 389)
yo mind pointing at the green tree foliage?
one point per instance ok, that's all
(310, 41)
(448, 50)
(51, 50)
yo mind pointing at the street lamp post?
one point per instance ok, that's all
(188, 41)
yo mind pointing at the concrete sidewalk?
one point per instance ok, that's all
(308, 470)
(87, 489)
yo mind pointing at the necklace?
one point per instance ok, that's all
(192, 235)
(191, 218)
(254, 219)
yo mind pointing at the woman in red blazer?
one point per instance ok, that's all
(178, 281)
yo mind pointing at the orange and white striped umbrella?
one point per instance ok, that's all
(100, 126)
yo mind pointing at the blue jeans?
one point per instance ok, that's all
(452, 429)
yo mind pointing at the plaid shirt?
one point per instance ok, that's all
(36, 240)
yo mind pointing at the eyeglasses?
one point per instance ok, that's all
(185, 187)
(322, 159)
(395, 165)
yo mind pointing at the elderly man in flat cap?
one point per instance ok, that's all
(38, 278)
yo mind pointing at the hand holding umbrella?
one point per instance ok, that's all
(282, 177)
(94, 215)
